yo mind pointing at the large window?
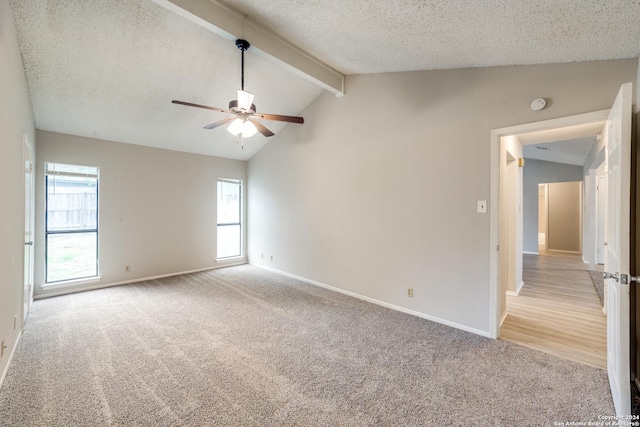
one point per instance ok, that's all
(71, 222)
(229, 218)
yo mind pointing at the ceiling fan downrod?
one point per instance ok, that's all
(243, 45)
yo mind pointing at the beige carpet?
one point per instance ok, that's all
(244, 347)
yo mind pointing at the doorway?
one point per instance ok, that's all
(556, 308)
(560, 217)
(513, 135)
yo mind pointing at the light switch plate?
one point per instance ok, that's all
(482, 206)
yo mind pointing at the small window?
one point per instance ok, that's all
(71, 222)
(229, 218)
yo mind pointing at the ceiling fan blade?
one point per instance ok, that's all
(279, 118)
(190, 104)
(219, 123)
(262, 129)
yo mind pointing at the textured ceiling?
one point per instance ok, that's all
(109, 68)
(365, 36)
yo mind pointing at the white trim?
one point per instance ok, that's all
(378, 302)
(517, 291)
(494, 202)
(531, 253)
(564, 252)
(494, 236)
(504, 317)
(239, 261)
(226, 262)
(70, 283)
(6, 368)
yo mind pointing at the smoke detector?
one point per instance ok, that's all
(538, 104)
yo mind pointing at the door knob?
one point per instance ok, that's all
(623, 279)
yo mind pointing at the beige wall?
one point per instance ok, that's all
(564, 207)
(377, 192)
(157, 208)
(15, 119)
(538, 172)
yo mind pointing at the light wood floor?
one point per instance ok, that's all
(558, 310)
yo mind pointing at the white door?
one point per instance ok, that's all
(616, 261)
(601, 209)
(28, 232)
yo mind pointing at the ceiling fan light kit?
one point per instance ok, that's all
(246, 128)
(243, 123)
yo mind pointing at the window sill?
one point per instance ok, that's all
(71, 283)
(232, 260)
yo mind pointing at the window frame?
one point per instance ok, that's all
(240, 223)
(47, 232)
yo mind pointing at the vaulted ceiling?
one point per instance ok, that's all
(109, 68)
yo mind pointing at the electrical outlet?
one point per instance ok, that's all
(15, 321)
(127, 268)
(271, 258)
(262, 256)
(410, 292)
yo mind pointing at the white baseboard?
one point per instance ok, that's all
(503, 318)
(13, 350)
(128, 282)
(517, 291)
(519, 287)
(531, 253)
(378, 302)
(564, 252)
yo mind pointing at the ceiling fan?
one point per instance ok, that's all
(244, 115)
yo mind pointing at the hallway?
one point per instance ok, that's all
(558, 310)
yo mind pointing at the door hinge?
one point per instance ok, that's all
(497, 247)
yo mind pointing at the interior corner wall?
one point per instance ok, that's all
(511, 217)
(540, 172)
(16, 119)
(157, 208)
(377, 192)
